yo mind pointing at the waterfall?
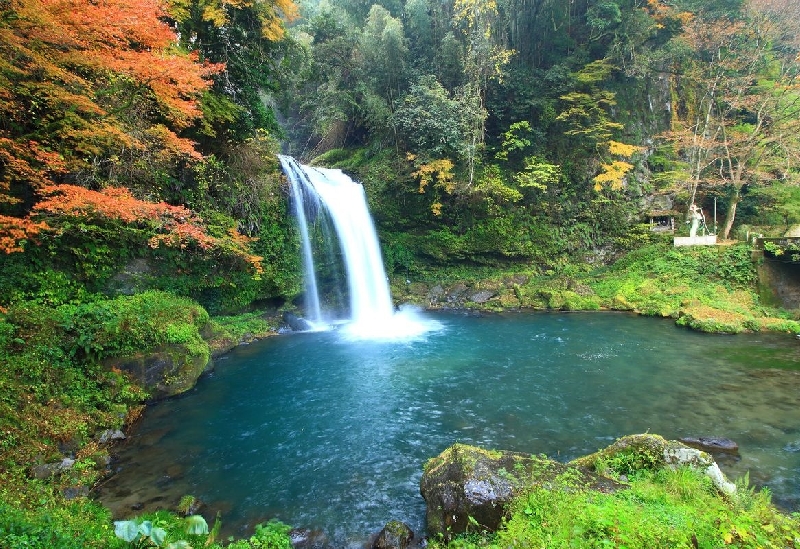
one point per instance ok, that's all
(372, 314)
(299, 184)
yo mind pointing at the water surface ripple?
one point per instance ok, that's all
(328, 433)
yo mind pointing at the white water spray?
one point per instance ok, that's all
(372, 315)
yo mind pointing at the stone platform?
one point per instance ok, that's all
(708, 240)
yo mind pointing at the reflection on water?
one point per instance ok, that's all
(328, 433)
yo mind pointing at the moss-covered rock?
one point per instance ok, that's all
(467, 488)
(470, 489)
(645, 451)
(167, 370)
(395, 535)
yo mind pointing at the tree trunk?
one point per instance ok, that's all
(730, 215)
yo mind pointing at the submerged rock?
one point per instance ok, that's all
(303, 538)
(712, 444)
(395, 535)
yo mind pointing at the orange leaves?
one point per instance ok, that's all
(172, 145)
(26, 162)
(173, 226)
(89, 77)
(272, 29)
(111, 203)
(662, 12)
(126, 37)
(13, 231)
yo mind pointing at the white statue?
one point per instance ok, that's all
(695, 217)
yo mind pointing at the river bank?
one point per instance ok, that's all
(708, 289)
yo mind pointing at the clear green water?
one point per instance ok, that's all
(330, 434)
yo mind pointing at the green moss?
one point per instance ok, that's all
(660, 508)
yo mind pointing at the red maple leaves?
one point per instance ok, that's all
(82, 83)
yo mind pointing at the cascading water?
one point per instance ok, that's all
(298, 180)
(372, 314)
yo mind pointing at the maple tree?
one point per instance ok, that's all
(171, 226)
(72, 74)
(86, 84)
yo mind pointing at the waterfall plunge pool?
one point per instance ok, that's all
(329, 433)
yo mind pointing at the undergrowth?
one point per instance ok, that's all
(660, 509)
(57, 397)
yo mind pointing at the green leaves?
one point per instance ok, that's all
(196, 525)
(138, 532)
(131, 530)
(430, 120)
(127, 530)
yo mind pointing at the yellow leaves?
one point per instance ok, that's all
(472, 11)
(613, 174)
(685, 17)
(438, 172)
(215, 14)
(271, 14)
(622, 149)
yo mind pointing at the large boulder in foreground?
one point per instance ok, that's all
(468, 488)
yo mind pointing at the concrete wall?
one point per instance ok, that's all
(779, 283)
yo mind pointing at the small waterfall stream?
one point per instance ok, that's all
(299, 184)
(372, 314)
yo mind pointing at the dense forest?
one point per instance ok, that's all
(140, 190)
(486, 133)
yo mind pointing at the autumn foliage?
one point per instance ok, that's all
(74, 73)
(172, 226)
(99, 95)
